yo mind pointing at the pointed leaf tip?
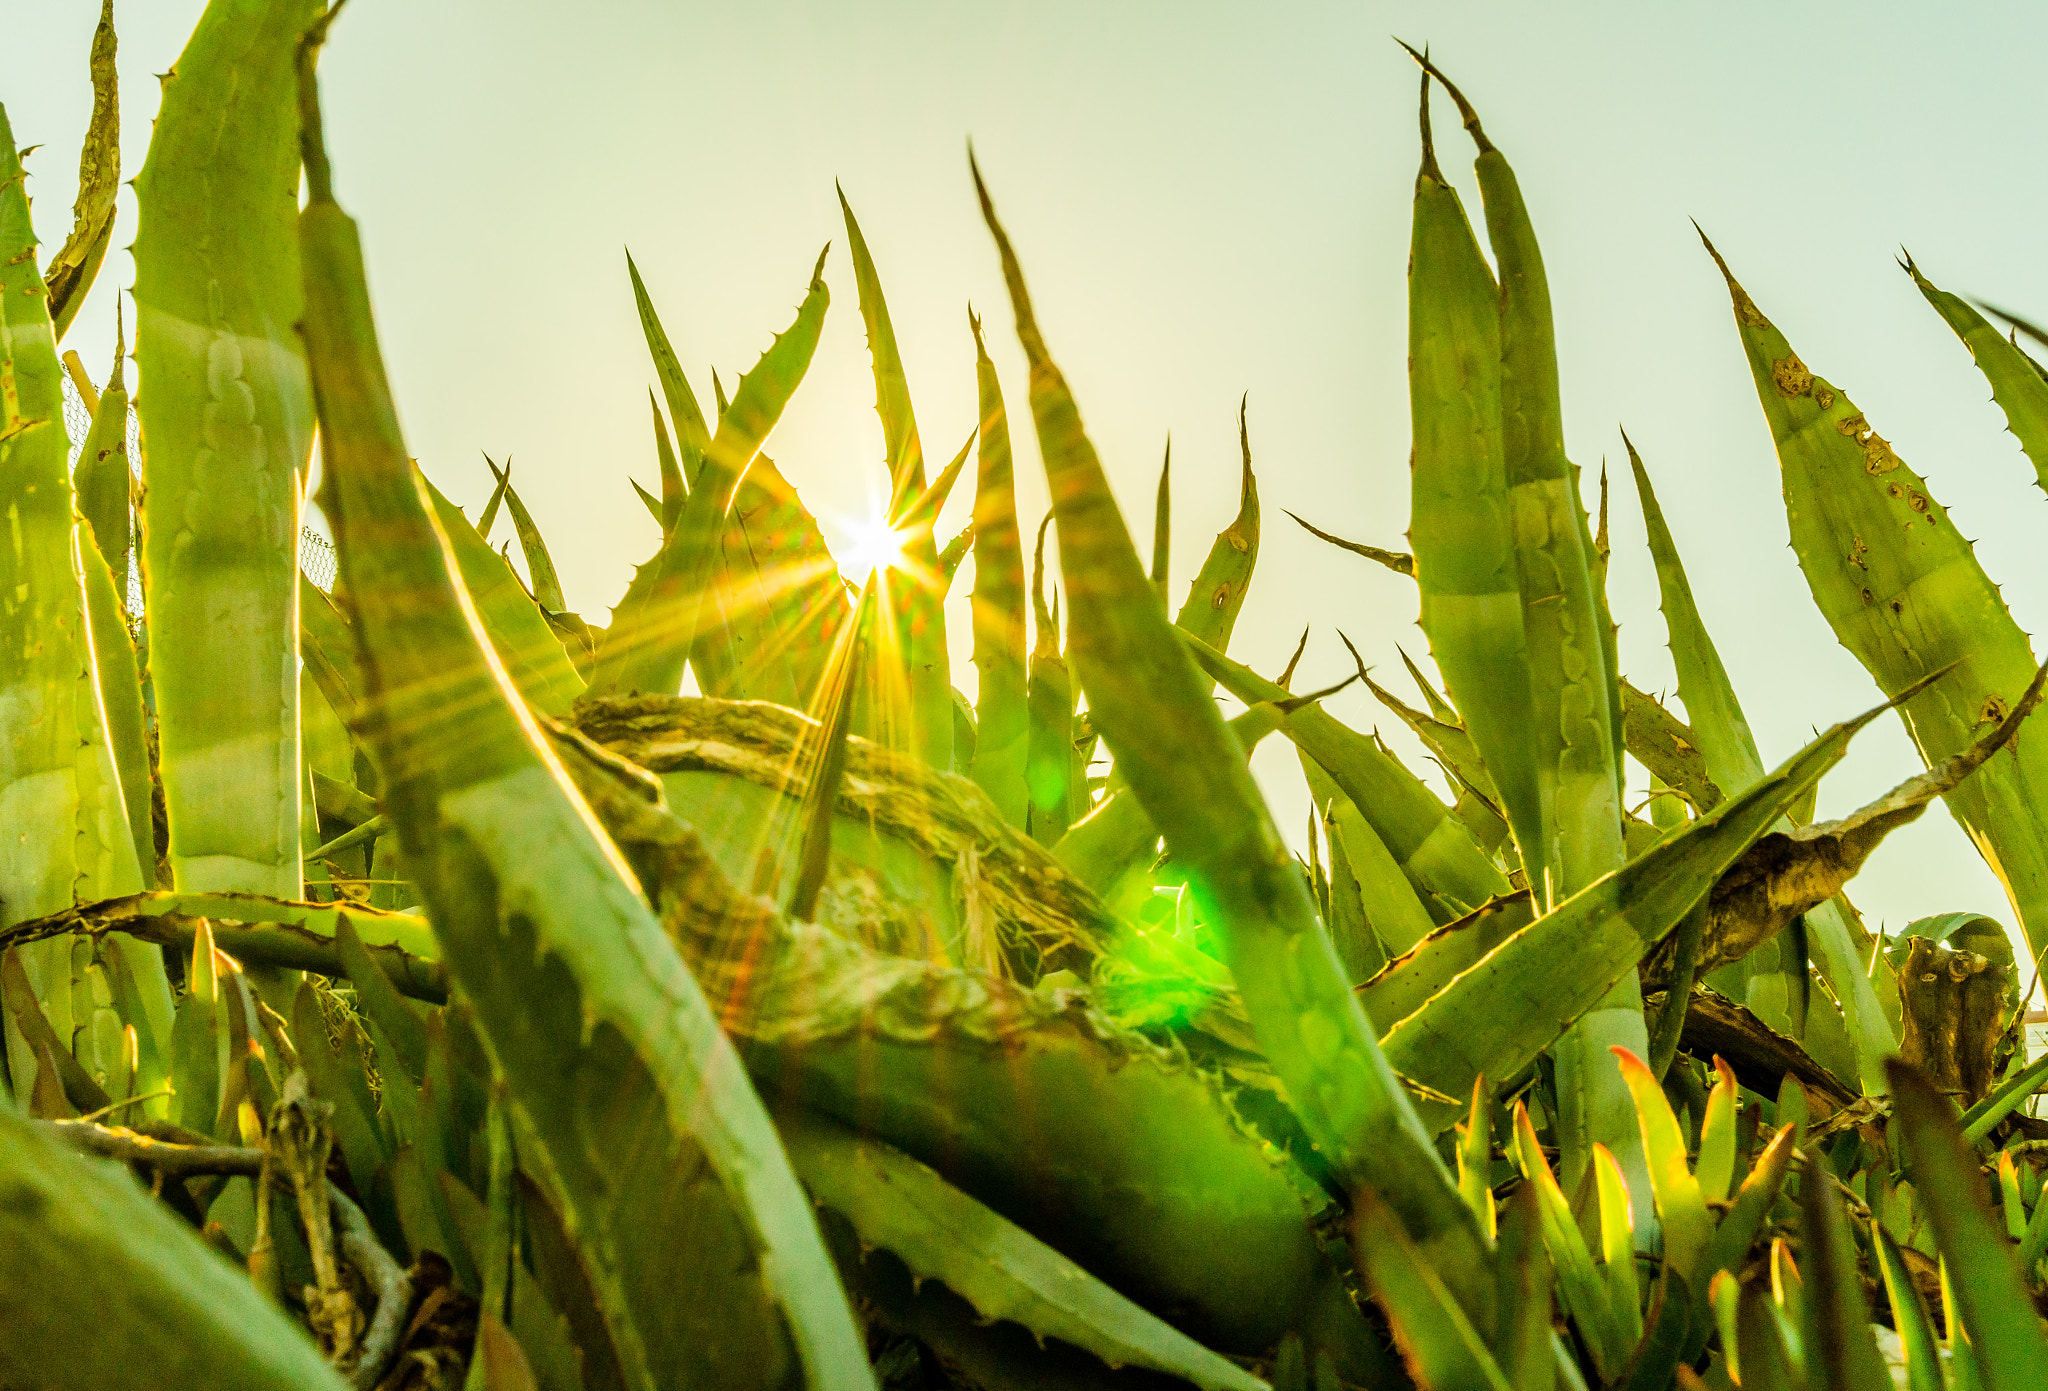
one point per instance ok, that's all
(1429, 169)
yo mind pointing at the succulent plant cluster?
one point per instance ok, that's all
(406, 985)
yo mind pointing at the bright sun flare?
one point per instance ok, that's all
(873, 545)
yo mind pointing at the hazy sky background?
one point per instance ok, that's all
(1209, 199)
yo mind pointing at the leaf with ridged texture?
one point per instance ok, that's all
(1904, 592)
(899, 1205)
(1152, 706)
(632, 1110)
(1118, 1152)
(1461, 521)
(918, 855)
(227, 422)
(647, 645)
(1568, 677)
(1217, 595)
(61, 795)
(1451, 874)
(1495, 1018)
(98, 1280)
(72, 270)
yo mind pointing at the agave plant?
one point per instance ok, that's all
(478, 1006)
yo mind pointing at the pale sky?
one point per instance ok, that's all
(1209, 200)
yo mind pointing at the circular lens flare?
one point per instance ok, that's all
(872, 544)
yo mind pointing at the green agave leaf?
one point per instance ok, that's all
(1450, 873)
(1563, 670)
(1681, 1206)
(692, 433)
(1722, 735)
(669, 507)
(1118, 837)
(101, 479)
(631, 1107)
(1162, 522)
(98, 1279)
(1909, 1315)
(1147, 1177)
(1217, 596)
(911, 594)
(547, 587)
(1395, 917)
(1409, 979)
(1617, 1243)
(1000, 712)
(1904, 592)
(518, 629)
(648, 643)
(1050, 770)
(1668, 747)
(1767, 1363)
(780, 604)
(1461, 523)
(1715, 1168)
(1442, 1349)
(1585, 1295)
(228, 424)
(1841, 1354)
(1447, 740)
(1495, 1018)
(52, 1052)
(121, 716)
(60, 773)
(72, 270)
(1400, 562)
(1152, 706)
(2015, 384)
(59, 777)
(927, 845)
(2006, 1339)
(898, 1205)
